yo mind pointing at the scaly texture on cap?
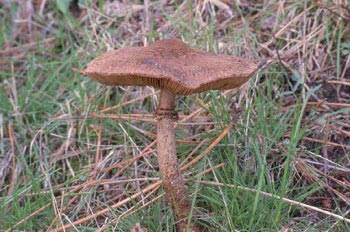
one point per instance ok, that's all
(170, 64)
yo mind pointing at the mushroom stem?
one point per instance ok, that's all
(172, 179)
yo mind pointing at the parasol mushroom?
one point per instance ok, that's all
(175, 69)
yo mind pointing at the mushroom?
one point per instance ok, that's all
(175, 69)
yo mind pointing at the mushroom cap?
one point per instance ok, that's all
(170, 64)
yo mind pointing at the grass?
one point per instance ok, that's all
(70, 153)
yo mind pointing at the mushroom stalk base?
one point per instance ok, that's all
(172, 179)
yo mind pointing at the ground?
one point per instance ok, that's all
(275, 153)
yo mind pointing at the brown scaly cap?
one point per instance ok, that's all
(170, 64)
